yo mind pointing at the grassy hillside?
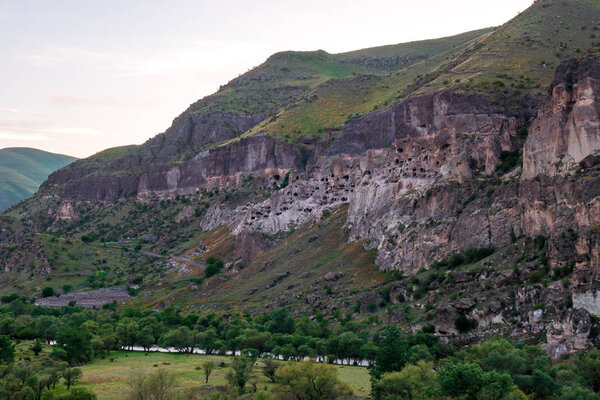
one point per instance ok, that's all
(523, 53)
(262, 89)
(514, 60)
(22, 171)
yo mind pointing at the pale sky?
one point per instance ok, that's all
(79, 76)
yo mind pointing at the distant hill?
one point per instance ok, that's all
(22, 171)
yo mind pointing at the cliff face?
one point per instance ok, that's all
(411, 174)
(421, 179)
(567, 128)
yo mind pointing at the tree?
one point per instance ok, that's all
(348, 346)
(7, 349)
(182, 339)
(146, 339)
(48, 291)
(37, 347)
(282, 322)
(392, 353)
(461, 380)
(307, 380)
(588, 365)
(213, 266)
(127, 332)
(469, 381)
(409, 383)
(270, 368)
(368, 351)
(78, 393)
(71, 376)
(240, 372)
(158, 385)
(53, 377)
(37, 385)
(76, 341)
(207, 367)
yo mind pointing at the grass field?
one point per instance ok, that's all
(109, 378)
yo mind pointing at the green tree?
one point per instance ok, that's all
(37, 347)
(7, 349)
(348, 345)
(71, 376)
(240, 372)
(270, 368)
(307, 380)
(207, 368)
(392, 353)
(470, 382)
(282, 322)
(158, 385)
(183, 339)
(410, 383)
(76, 341)
(78, 393)
(588, 366)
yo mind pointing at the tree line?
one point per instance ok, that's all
(401, 365)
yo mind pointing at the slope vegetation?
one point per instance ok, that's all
(23, 170)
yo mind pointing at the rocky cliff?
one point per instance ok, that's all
(412, 170)
(484, 219)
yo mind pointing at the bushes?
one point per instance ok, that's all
(213, 266)
(156, 385)
(469, 381)
(473, 254)
(410, 383)
(47, 292)
(309, 380)
(470, 256)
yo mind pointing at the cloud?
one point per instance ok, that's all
(12, 136)
(32, 128)
(205, 56)
(70, 131)
(11, 110)
(5, 15)
(66, 100)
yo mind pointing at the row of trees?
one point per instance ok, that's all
(401, 366)
(80, 334)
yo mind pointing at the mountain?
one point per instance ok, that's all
(450, 183)
(24, 170)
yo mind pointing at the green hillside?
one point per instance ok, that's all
(22, 171)
(514, 60)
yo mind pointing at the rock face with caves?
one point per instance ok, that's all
(411, 174)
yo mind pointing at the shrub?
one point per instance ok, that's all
(47, 292)
(455, 260)
(509, 160)
(473, 255)
(213, 266)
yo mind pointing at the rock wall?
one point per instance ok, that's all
(567, 129)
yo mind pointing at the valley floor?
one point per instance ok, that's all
(108, 377)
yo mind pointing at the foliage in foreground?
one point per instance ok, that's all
(402, 366)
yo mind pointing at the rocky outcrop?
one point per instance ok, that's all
(383, 163)
(567, 129)
(223, 167)
(421, 182)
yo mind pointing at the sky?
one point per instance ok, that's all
(77, 77)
